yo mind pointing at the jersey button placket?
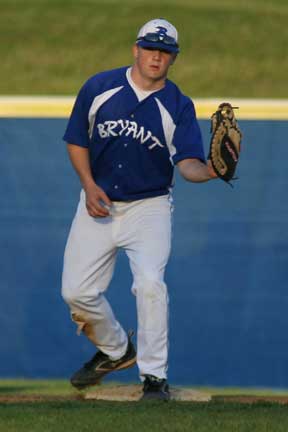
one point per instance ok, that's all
(119, 166)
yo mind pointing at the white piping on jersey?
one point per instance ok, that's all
(96, 104)
(168, 127)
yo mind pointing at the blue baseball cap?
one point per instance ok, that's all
(158, 33)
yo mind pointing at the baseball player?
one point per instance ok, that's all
(128, 129)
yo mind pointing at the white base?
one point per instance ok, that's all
(134, 393)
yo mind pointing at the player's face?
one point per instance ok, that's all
(153, 64)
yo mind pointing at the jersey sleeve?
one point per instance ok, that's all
(187, 136)
(78, 124)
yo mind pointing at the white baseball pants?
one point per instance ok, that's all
(143, 229)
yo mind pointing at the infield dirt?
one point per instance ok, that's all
(133, 393)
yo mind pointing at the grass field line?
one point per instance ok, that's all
(60, 106)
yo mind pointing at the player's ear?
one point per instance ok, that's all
(173, 58)
(135, 50)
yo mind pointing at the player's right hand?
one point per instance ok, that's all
(95, 197)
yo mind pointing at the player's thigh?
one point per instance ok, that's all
(150, 245)
(90, 252)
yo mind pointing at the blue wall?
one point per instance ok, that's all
(227, 274)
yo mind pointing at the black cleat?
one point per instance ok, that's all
(155, 389)
(100, 365)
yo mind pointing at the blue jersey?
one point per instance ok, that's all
(133, 145)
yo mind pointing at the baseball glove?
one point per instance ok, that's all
(225, 142)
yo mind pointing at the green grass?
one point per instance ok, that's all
(123, 417)
(234, 48)
(35, 386)
(150, 417)
(81, 416)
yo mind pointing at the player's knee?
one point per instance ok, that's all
(70, 297)
(76, 296)
(151, 286)
(71, 293)
(71, 288)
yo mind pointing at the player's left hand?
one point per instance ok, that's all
(225, 142)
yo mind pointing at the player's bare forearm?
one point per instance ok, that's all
(95, 196)
(195, 171)
(79, 157)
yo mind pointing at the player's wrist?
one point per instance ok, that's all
(88, 183)
(211, 173)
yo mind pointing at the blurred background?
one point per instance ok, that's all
(228, 269)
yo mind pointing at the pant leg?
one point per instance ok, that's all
(89, 261)
(148, 250)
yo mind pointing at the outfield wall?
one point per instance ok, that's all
(227, 274)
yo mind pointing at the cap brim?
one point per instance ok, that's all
(159, 45)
